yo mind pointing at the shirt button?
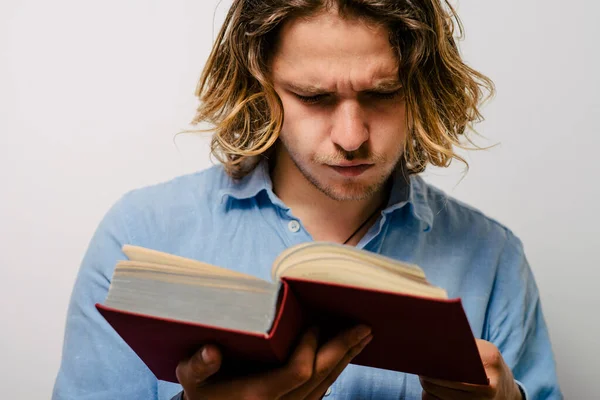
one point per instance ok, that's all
(294, 226)
(328, 392)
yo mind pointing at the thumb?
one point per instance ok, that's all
(194, 371)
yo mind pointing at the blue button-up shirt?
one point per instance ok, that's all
(243, 225)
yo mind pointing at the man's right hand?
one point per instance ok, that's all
(307, 375)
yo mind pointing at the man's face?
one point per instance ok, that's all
(344, 113)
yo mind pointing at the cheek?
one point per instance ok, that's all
(389, 131)
(302, 128)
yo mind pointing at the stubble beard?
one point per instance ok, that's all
(349, 189)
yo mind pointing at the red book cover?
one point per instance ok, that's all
(417, 335)
(410, 334)
(161, 343)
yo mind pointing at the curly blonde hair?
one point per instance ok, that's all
(442, 93)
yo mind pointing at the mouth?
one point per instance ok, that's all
(351, 170)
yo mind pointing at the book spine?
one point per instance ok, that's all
(289, 325)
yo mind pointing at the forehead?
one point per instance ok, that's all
(328, 50)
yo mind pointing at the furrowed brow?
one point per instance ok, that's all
(305, 89)
(386, 85)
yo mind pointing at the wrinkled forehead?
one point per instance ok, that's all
(329, 50)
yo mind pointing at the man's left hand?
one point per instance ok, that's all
(502, 383)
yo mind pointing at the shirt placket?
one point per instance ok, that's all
(292, 229)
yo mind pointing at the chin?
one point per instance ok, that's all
(342, 188)
(352, 189)
(349, 192)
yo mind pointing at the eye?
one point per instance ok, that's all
(311, 99)
(386, 95)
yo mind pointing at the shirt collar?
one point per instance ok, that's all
(255, 182)
(412, 193)
(250, 185)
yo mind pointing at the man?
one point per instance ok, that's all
(325, 112)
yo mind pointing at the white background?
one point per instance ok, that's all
(93, 93)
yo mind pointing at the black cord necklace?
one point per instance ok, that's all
(362, 225)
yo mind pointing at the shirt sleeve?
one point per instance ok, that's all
(96, 363)
(517, 325)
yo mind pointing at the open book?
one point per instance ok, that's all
(165, 307)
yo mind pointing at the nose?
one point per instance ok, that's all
(350, 129)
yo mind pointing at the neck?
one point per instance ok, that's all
(324, 217)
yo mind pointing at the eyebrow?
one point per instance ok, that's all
(381, 86)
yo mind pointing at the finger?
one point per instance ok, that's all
(444, 392)
(269, 385)
(489, 353)
(329, 356)
(297, 371)
(332, 352)
(337, 371)
(193, 372)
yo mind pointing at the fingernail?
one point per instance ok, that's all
(207, 358)
(366, 341)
